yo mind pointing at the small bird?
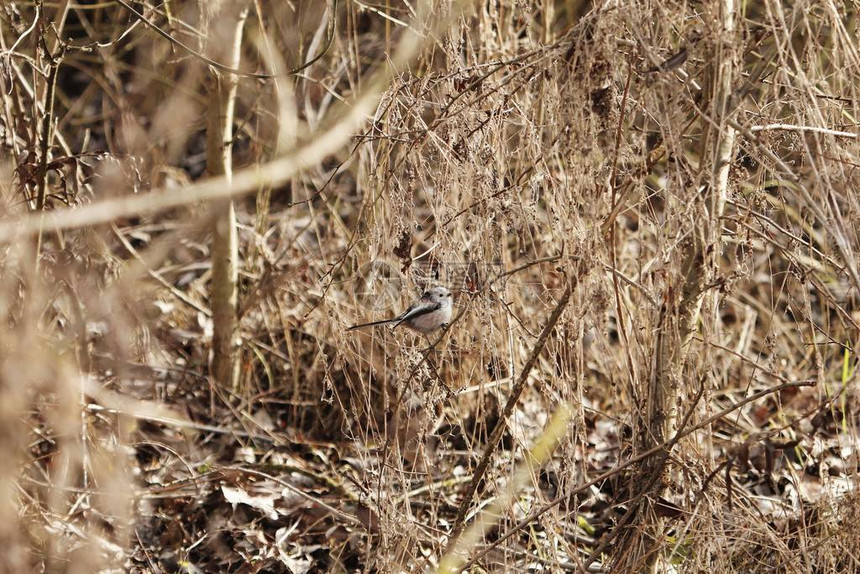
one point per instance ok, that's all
(430, 312)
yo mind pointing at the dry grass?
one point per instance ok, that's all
(690, 173)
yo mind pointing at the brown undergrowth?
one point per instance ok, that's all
(648, 216)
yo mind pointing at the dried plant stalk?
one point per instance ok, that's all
(680, 313)
(225, 243)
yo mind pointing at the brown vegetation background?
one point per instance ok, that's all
(648, 214)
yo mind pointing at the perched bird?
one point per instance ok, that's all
(430, 312)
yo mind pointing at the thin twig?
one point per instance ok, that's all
(45, 141)
(796, 128)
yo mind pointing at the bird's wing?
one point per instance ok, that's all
(420, 307)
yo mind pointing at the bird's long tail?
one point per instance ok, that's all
(395, 322)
